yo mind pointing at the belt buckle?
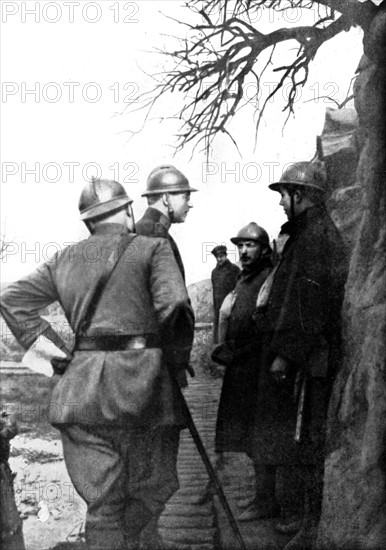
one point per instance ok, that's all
(137, 342)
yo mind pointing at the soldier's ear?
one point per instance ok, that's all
(129, 211)
(298, 196)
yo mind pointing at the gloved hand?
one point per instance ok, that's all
(59, 364)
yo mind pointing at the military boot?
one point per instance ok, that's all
(305, 538)
(290, 490)
(289, 525)
(264, 504)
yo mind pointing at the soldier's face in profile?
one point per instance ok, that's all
(221, 258)
(285, 201)
(249, 252)
(180, 203)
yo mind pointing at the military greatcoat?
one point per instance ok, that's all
(300, 323)
(107, 429)
(239, 390)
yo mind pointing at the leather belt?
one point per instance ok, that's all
(119, 342)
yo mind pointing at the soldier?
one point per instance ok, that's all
(240, 350)
(298, 318)
(223, 277)
(116, 390)
(168, 196)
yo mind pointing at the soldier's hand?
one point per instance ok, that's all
(279, 369)
(60, 364)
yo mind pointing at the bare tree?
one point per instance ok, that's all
(223, 48)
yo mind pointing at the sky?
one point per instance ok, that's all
(70, 73)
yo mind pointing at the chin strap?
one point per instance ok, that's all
(292, 213)
(89, 226)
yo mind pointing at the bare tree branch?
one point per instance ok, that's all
(221, 51)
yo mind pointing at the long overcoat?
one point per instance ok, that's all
(301, 323)
(145, 295)
(238, 394)
(154, 224)
(224, 278)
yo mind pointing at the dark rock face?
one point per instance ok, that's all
(354, 506)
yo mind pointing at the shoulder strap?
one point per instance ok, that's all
(94, 296)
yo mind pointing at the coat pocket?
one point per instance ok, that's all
(107, 387)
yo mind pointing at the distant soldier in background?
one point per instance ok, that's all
(298, 318)
(224, 278)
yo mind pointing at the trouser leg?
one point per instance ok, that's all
(97, 471)
(264, 504)
(265, 479)
(158, 480)
(125, 476)
(313, 493)
(290, 490)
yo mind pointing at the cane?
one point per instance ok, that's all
(208, 465)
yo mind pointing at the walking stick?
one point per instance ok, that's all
(208, 465)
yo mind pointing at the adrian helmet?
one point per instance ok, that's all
(307, 174)
(166, 179)
(99, 197)
(252, 232)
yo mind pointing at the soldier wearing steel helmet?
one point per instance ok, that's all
(116, 390)
(239, 351)
(168, 196)
(298, 321)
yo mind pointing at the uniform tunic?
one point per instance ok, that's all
(108, 434)
(238, 394)
(300, 323)
(224, 278)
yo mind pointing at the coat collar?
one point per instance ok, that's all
(227, 263)
(110, 229)
(297, 225)
(156, 216)
(263, 263)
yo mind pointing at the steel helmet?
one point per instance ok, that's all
(166, 179)
(307, 174)
(252, 232)
(99, 197)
